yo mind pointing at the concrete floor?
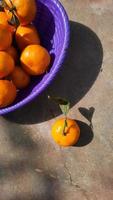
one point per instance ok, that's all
(32, 166)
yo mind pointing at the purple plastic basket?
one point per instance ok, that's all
(53, 26)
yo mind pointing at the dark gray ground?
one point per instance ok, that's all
(32, 166)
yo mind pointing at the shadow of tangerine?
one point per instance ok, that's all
(76, 77)
(86, 134)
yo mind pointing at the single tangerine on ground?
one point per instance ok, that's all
(5, 38)
(26, 35)
(71, 135)
(20, 78)
(6, 64)
(7, 93)
(13, 53)
(25, 10)
(35, 59)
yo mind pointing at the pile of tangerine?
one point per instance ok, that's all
(26, 58)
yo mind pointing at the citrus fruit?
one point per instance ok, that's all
(71, 134)
(4, 21)
(13, 53)
(5, 37)
(26, 35)
(35, 59)
(6, 64)
(7, 93)
(3, 18)
(25, 10)
(20, 78)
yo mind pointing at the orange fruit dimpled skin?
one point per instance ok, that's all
(25, 10)
(6, 64)
(72, 132)
(5, 38)
(26, 35)
(7, 93)
(20, 78)
(4, 21)
(3, 18)
(13, 53)
(35, 59)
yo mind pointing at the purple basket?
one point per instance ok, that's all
(53, 26)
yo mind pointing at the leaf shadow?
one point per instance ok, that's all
(88, 114)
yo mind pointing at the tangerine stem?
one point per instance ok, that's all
(11, 3)
(13, 8)
(65, 125)
(14, 15)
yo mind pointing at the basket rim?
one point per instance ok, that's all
(32, 96)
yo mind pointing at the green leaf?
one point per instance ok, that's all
(65, 108)
(63, 103)
(14, 21)
(58, 100)
(1, 8)
(11, 3)
(3, 4)
(12, 9)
